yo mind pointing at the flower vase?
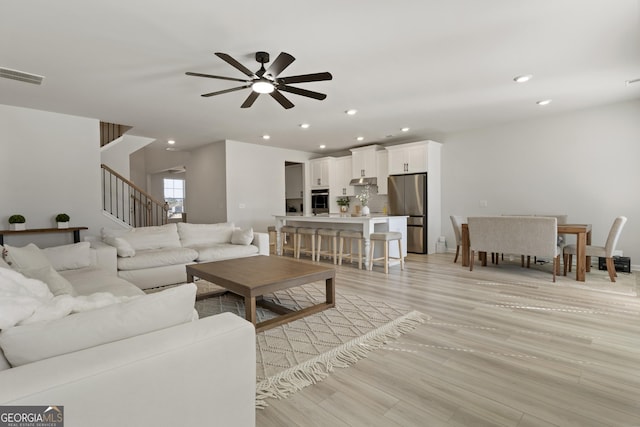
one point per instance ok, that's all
(365, 210)
(64, 224)
(18, 226)
(344, 209)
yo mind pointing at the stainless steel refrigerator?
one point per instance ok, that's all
(408, 196)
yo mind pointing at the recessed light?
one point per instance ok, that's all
(304, 125)
(351, 112)
(522, 79)
(544, 102)
(266, 137)
(171, 149)
(630, 82)
(322, 147)
(171, 142)
(360, 138)
(405, 129)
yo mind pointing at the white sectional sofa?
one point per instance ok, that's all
(155, 256)
(143, 360)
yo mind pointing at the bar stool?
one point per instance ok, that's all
(386, 237)
(349, 235)
(332, 244)
(307, 234)
(272, 238)
(289, 236)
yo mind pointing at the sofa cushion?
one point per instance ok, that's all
(156, 237)
(89, 280)
(123, 247)
(31, 261)
(242, 237)
(192, 235)
(69, 257)
(222, 251)
(29, 343)
(157, 258)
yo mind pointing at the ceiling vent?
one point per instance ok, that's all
(21, 76)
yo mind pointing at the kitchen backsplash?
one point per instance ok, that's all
(376, 204)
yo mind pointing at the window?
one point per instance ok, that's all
(174, 196)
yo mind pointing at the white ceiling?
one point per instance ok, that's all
(436, 66)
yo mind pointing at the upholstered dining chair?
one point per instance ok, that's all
(456, 222)
(605, 251)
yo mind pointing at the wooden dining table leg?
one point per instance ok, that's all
(465, 245)
(588, 259)
(581, 259)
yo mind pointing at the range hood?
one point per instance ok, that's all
(364, 181)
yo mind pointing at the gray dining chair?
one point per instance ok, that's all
(456, 222)
(605, 251)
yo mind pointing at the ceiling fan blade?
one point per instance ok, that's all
(229, 60)
(304, 78)
(282, 61)
(303, 92)
(211, 76)
(281, 99)
(220, 92)
(250, 100)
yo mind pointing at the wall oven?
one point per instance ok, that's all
(319, 201)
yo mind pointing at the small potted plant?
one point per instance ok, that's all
(63, 220)
(343, 202)
(17, 222)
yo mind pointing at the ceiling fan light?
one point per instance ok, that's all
(522, 79)
(262, 87)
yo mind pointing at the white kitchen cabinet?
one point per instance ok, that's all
(321, 170)
(408, 158)
(342, 175)
(294, 188)
(364, 162)
(383, 171)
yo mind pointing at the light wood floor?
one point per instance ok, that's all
(493, 354)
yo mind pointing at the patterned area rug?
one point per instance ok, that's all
(303, 352)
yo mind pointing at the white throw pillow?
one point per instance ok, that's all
(123, 248)
(26, 258)
(3, 263)
(242, 237)
(57, 284)
(31, 261)
(69, 257)
(147, 313)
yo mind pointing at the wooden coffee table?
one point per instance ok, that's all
(255, 276)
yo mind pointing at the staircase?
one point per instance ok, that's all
(110, 132)
(133, 206)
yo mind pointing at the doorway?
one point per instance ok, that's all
(294, 187)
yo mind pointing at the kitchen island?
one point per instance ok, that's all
(367, 224)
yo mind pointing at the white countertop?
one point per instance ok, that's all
(338, 217)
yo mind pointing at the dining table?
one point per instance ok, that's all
(583, 238)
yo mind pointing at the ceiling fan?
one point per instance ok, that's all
(267, 80)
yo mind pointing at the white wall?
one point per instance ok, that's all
(206, 197)
(255, 182)
(116, 153)
(584, 164)
(49, 163)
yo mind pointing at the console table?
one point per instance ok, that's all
(74, 230)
